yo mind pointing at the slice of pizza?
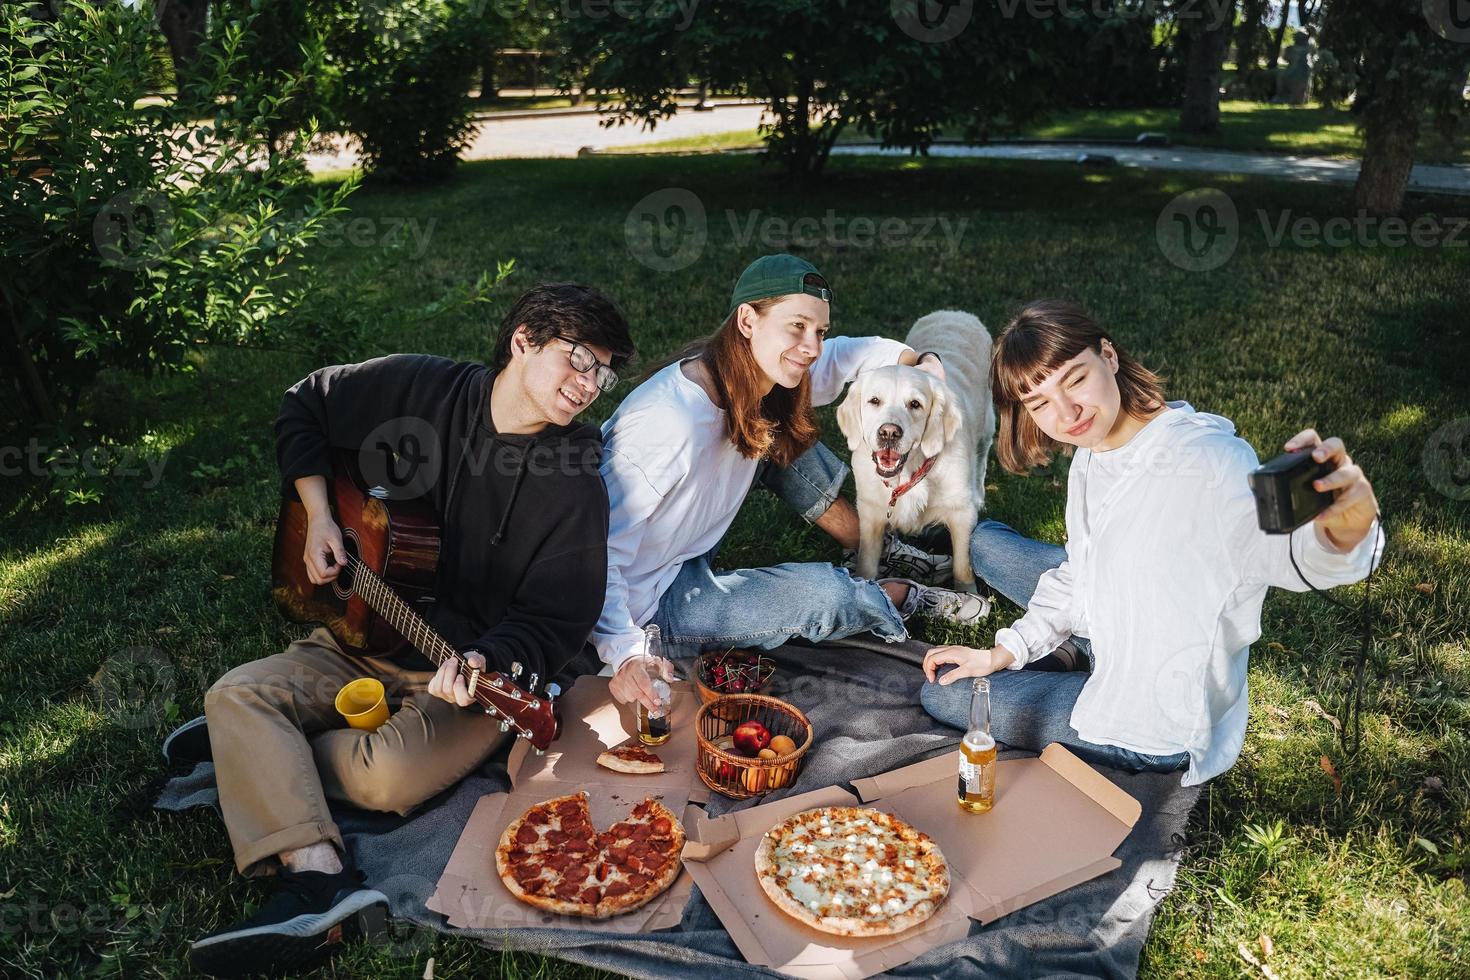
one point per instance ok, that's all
(632, 758)
(545, 856)
(643, 854)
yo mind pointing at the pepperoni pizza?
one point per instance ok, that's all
(552, 857)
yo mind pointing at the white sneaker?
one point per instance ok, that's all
(901, 560)
(960, 608)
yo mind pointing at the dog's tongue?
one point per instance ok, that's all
(888, 459)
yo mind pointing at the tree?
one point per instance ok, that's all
(133, 232)
(903, 72)
(183, 23)
(1410, 66)
(1248, 41)
(404, 90)
(1207, 40)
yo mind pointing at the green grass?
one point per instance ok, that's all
(1246, 127)
(1367, 343)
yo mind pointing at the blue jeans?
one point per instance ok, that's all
(1030, 709)
(765, 607)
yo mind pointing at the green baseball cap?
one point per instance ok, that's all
(777, 275)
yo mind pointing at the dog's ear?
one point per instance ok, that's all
(850, 416)
(944, 421)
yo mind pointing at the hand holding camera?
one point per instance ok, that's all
(1315, 480)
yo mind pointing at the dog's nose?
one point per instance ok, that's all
(888, 432)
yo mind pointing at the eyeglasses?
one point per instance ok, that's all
(583, 360)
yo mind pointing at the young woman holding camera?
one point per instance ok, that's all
(1162, 579)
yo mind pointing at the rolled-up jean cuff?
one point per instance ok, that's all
(253, 859)
(810, 484)
(826, 500)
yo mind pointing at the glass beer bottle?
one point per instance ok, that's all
(977, 753)
(654, 726)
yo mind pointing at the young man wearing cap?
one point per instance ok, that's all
(513, 478)
(686, 446)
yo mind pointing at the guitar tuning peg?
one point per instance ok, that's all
(515, 669)
(505, 726)
(553, 691)
(540, 751)
(534, 678)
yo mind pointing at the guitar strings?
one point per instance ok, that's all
(418, 632)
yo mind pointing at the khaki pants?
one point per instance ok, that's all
(281, 750)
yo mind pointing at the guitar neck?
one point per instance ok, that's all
(387, 604)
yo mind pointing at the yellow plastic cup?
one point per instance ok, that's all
(363, 703)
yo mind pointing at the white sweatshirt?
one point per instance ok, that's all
(1165, 574)
(675, 482)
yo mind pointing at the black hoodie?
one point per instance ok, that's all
(523, 556)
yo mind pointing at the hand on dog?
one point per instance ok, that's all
(448, 684)
(968, 662)
(1354, 506)
(931, 366)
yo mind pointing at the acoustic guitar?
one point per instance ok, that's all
(392, 551)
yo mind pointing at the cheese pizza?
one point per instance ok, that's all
(852, 871)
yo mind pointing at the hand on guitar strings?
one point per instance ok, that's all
(450, 685)
(324, 555)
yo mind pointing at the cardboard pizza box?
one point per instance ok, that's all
(592, 721)
(470, 893)
(993, 871)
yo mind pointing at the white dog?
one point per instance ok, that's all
(919, 445)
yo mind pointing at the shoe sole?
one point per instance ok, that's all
(294, 945)
(188, 728)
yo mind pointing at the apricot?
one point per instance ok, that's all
(782, 745)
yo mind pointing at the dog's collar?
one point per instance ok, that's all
(904, 488)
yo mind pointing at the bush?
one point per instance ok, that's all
(406, 68)
(133, 233)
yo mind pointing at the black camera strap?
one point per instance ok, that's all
(1351, 732)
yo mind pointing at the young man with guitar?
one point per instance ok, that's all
(410, 470)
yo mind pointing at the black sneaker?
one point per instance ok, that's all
(188, 744)
(309, 919)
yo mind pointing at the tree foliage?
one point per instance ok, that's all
(134, 231)
(904, 72)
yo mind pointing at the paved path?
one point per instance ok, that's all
(559, 134)
(562, 134)
(1425, 177)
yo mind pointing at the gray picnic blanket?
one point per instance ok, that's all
(862, 698)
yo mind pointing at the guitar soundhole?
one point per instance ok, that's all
(342, 585)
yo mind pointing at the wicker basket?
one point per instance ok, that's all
(724, 769)
(707, 693)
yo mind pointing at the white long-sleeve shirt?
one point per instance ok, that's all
(1166, 573)
(675, 482)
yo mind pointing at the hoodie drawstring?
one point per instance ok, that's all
(515, 489)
